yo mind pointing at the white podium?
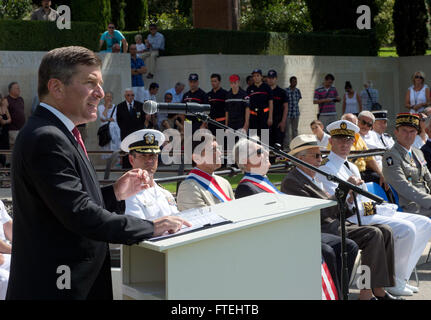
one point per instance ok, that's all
(272, 250)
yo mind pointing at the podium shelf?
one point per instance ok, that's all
(145, 290)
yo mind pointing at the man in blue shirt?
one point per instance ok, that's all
(112, 37)
(155, 44)
(138, 69)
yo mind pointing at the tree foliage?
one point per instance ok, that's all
(97, 11)
(136, 14)
(410, 20)
(276, 15)
(14, 9)
(118, 15)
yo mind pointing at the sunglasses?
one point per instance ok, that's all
(419, 77)
(368, 124)
(111, 27)
(316, 155)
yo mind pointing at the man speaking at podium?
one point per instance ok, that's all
(63, 220)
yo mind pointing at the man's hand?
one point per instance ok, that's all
(282, 126)
(269, 122)
(355, 180)
(131, 183)
(171, 224)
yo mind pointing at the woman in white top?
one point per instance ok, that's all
(351, 102)
(108, 112)
(418, 95)
(421, 137)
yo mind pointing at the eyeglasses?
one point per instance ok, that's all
(368, 124)
(419, 77)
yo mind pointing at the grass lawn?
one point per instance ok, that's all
(273, 177)
(392, 52)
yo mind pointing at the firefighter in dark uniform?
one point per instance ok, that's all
(278, 127)
(261, 103)
(237, 110)
(216, 98)
(197, 95)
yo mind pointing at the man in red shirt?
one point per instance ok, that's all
(16, 110)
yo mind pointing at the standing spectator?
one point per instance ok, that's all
(351, 101)
(138, 68)
(140, 45)
(261, 103)
(422, 136)
(293, 97)
(326, 96)
(216, 98)
(418, 95)
(249, 81)
(130, 118)
(318, 130)
(369, 96)
(155, 44)
(280, 104)
(5, 119)
(195, 94)
(237, 109)
(5, 249)
(108, 113)
(45, 12)
(177, 92)
(112, 37)
(16, 110)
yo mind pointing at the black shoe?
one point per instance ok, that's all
(388, 296)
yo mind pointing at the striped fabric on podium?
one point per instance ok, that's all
(329, 292)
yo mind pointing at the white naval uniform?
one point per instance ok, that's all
(5, 267)
(151, 203)
(373, 141)
(411, 231)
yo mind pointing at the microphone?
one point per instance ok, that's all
(190, 108)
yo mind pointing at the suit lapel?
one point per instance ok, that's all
(45, 113)
(310, 186)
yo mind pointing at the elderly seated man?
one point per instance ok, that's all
(202, 187)
(253, 160)
(153, 202)
(411, 231)
(375, 241)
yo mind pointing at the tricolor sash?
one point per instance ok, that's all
(261, 182)
(329, 291)
(209, 183)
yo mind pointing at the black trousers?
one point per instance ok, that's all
(331, 252)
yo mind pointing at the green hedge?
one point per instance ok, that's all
(18, 35)
(209, 41)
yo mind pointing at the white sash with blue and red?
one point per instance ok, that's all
(261, 182)
(209, 183)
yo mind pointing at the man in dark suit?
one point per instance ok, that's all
(131, 117)
(375, 241)
(254, 161)
(63, 221)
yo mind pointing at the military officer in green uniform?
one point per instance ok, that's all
(405, 168)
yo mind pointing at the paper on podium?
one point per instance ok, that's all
(199, 218)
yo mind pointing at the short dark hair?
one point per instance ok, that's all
(168, 94)
(10, 85)
(154, 85)
(61, 64)
(153, 25)
(348, 85)
(293, 78)
(248, 78)
(216, 75)
(329, 76)
(318, 122)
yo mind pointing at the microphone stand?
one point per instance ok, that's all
(340, 193)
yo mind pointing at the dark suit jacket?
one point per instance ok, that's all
(60, 217)
(130, 123)
(295, 183)
(426, 150)
(245, 189)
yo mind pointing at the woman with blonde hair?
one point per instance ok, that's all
(418, 95)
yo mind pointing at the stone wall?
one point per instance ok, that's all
(391, 76)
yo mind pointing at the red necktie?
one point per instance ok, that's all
(78, 137)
